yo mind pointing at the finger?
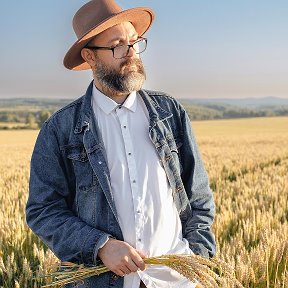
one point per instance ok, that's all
(141, 265)
(138, 261)
(143, 256)
(126, 270)
(120, 272)
(127, 265)
(123, 266)
(132, 266)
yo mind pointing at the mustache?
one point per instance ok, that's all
(134, 61)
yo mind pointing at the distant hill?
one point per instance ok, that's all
(203, 109)
(22, 103)
(243, 102)
(33, 112)
(16, 103)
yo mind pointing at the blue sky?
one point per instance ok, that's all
(197, 48)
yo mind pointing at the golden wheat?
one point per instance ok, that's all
(208, 272)
(247, 162)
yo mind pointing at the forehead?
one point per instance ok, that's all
(119, 31)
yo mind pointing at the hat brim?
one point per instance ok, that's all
(141, 18)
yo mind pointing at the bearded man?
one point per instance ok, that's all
(116, 176)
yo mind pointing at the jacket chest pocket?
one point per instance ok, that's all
(87, 184)
(85, 178)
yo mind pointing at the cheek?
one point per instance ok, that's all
(105, 56)
(109, 61)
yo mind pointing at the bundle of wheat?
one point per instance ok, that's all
(207, 272)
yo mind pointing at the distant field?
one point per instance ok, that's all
(237, 127)
(12, 125)
(25, 138)
(247, 163)
(232, 127)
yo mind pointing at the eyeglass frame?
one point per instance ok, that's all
(128, 45)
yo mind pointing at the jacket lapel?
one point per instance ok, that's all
(94, 147)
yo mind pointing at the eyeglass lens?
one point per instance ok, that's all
(123, 50)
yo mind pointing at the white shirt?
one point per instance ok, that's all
(146, 212)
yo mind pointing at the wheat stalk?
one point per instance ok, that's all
(207, 272)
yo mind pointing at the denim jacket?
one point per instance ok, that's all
(70, 205)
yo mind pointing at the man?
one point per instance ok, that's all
(116, 176)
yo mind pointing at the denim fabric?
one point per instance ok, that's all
(70, 205)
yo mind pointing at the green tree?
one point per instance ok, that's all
(43, 116)
(31, 121)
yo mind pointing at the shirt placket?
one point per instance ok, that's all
(122, 116)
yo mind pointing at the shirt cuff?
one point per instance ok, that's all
(103, 241)
(100, 244)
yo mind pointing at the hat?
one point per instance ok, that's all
(96, 16)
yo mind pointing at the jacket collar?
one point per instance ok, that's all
(107, 105)
(156, 113)
(85, 111)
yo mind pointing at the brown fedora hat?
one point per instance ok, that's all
(95, 17)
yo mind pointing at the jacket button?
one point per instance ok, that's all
(115, 277)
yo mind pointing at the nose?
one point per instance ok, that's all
(131, 52)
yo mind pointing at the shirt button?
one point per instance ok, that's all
(100, 162)
(139, 239)
(129, 154)
(115, 277)
(125, 126)
(134, 181)
(138, 211)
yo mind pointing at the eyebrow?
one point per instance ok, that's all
(121, 40)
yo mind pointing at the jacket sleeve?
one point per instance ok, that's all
(197, 227)
(47, 211)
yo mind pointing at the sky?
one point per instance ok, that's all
(196, 48)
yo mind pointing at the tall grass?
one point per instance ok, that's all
(247, 162)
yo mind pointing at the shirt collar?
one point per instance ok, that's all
(107, 104)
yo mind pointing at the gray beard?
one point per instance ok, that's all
(116, 82)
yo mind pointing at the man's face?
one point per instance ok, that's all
(117, 75)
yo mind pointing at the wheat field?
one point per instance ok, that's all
(247, 163)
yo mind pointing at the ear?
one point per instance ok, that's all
(88, 56)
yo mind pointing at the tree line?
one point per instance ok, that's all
(31, 119)
(216, 111)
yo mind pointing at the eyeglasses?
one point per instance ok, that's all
(122, 51)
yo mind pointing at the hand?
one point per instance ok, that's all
(121, 258)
